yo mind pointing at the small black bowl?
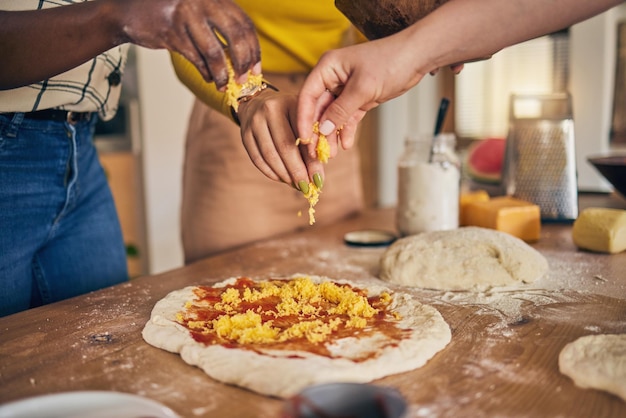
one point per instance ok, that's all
(357, 400)
(613, 168)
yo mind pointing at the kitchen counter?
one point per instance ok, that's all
(502, 360)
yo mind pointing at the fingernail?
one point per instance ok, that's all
(303, 186)
(317, 179)
(242, 78)
(327, 127)
(256, 70)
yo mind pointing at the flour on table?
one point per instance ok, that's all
(468, 258)
(597, 362)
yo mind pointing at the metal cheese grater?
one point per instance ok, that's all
(540, 159)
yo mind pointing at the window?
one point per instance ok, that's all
(483, 89)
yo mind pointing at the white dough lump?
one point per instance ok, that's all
(597, 362)
(468, 258)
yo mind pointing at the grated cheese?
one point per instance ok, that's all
(313, 311)
(322, 148)
(313, 196)
(323, 154)
(233, 89)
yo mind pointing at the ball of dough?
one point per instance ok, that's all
(468, 258)
(597, 362)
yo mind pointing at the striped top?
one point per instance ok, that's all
(91, 87)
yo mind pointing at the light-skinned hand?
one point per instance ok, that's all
(268, 134)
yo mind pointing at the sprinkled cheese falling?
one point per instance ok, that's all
(233, 89)
(323, 154)
(313, 311)
(313, 196)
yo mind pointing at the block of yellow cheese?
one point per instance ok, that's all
(601, 230)
(517, 217)
(468, 197)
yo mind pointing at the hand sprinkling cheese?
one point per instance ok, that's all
(234, 94)
(253, 83)
(234, 89)
(323, 154)
(322, 148)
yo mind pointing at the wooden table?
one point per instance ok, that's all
(502, 360)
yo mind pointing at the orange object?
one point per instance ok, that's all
(467, 198)
(517, 217)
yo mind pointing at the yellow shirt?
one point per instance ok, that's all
(292, 34)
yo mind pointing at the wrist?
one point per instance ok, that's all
(115, 14)
(248, 94)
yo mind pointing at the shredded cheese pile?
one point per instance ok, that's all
(300, 309)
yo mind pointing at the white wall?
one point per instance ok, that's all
(592, 81)
(165, 106)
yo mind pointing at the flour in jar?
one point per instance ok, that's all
(428, 191)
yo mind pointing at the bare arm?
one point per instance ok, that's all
(364, 76)
(38, 44)
(463, 30)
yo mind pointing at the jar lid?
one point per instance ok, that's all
(369, 238)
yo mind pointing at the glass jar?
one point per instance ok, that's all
(429, 177)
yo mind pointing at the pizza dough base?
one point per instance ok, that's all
(468, 258)
(597, 362)
(290, 374)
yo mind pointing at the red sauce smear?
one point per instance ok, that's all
(203, 309)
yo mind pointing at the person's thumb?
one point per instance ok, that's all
(348, 103)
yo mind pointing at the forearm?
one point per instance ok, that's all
(463, 30)
(39, 44)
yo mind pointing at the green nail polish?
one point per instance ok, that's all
(304, 186)
(317, 179)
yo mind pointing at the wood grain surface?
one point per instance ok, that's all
(501, 362)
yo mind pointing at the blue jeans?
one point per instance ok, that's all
(59, 232)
